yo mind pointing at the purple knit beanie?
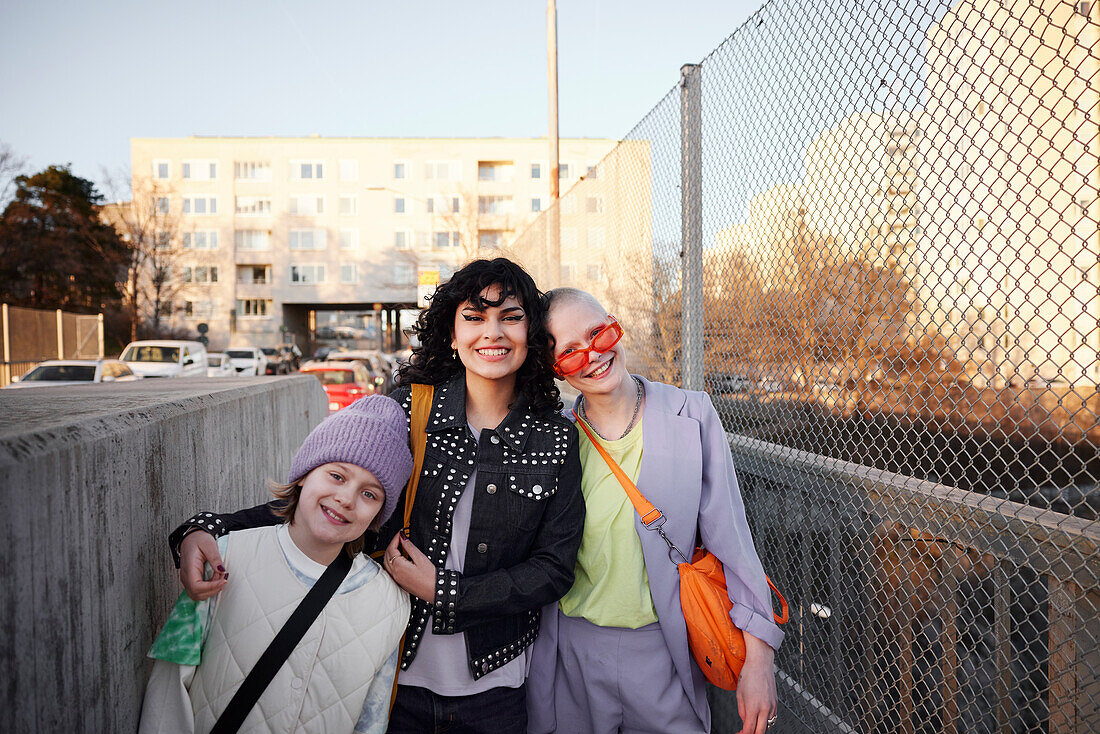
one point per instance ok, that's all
(373, 433)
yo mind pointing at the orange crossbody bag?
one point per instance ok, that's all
(715, 641)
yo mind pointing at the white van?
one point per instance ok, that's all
(166, 358)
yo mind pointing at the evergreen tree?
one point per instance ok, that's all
(55, 251)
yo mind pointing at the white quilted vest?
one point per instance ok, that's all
(322, 685)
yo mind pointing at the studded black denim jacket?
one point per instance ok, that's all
(525, 528)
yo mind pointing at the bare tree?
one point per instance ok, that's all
(153, 230)
(11, 165)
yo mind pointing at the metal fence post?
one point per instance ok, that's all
(691, 213)
(5, 377)
(60, 335)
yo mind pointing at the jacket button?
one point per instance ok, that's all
(494, 438)
(296, 683)
(482, 548)
(491, 489)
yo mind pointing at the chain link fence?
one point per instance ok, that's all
(869, 230)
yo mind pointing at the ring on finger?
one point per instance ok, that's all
(772, 720)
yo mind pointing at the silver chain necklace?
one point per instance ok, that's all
(634, 417)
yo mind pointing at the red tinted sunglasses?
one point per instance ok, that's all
(607, 337)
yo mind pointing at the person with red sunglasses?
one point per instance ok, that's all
(612, 655)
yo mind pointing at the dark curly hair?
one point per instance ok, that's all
(433, 363)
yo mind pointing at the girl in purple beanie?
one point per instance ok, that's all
(344, 480)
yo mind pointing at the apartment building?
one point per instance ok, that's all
(264, 232)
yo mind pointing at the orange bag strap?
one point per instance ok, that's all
(645, 509)
(652, 518)
(421, 408)
(642, 506)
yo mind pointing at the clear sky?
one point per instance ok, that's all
(79, 79)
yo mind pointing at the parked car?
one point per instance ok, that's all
(54, 372)
(344, 382)
(724, 382)
(380, 371)
(166, 358)
(218, 364)
(276, 363)
(248, 361)
(321, 353)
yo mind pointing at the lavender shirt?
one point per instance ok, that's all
(441, 663)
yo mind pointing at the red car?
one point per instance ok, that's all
(344, 382)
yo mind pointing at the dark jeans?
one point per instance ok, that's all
(496, 711)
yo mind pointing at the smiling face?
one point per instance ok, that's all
(492, 341)
(573, 324)
(336, 505)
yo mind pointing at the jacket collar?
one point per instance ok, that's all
(449, 411)
(659, 396)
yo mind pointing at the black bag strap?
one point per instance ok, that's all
(263, 672)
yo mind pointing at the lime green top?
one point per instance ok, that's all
(611, 588)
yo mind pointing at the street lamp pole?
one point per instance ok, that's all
(554, 245)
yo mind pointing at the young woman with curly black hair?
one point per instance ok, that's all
(498, 513)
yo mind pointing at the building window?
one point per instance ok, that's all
(593, 204)
(494, 205)
(490, 239)
(429, 205)
(200, 205)
(349, 205)
(536, 170)
(536, 204)
(399, 170)
(307, 205)
(399, 205)
(251, 239)
(442, 170)
(253, 306)
(592, 172)
(307, 274)
(201, 274)
(161, 169)
(567, 273)
(254, 274)
(162, 205)
(349, 239)
(200, 309)
(568, 238)
(349, 273)
(597, 238)
(349, 170)
(252, 171)
(456, 204)
(307, 170)
(445, 239)
(494, 170)
(200, 240)
(163, 241)
(404, 273)
(595, 272)
(253, 205)
(199, 170)
(563, 171)
(402, 240)
(307, 239)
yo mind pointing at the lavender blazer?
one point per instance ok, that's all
(687, 472)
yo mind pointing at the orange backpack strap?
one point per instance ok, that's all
(422, 396)
(421, 408)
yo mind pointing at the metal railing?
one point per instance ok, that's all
(869, 230)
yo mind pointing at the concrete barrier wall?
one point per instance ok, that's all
(93, 479)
